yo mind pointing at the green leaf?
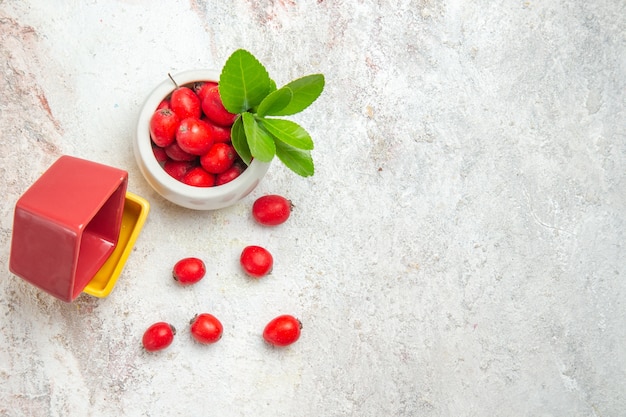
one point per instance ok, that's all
(239, 141)
(244, 82)
(271, 90)
(297, 160)
(305, 91)
(289, 132)
(274, 102)
(261, 143)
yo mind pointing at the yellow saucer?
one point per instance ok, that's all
(135, 212)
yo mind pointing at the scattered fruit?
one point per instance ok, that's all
(256, 261)
(158, 336)
(188, 271)
(206, 328)
(271, 210)
(282, 330)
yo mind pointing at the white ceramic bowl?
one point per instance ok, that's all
(198, 198)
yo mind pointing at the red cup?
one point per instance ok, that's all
(67, 224)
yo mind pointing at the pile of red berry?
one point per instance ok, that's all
(190, 132)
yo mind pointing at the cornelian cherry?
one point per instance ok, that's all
(256, 261)
(271, 210)
(201, 88)
(178, 169)
(219, 158)
(158, 336)
(282, 330)
(188, 271)
(214, 109)
(194, 136)
(230, 174)
(218, 133)
(199, 177)
(163, 127)
(185, 103)
(206, 328)
(176, 153)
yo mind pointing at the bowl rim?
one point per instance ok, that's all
(148, 163)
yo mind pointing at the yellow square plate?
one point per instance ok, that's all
(135, 212)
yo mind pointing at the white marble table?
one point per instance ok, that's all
(459, 251)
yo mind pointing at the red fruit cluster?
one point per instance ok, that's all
(190, 132)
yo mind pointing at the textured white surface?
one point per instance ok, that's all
(459, 252)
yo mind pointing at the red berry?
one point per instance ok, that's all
(163, 127)
(256, 261)
(194, 136)
(158, 336)
(229, 175)
(271, 210)
(282, 331)
(159, 153)
(214, 110)
(176, 153)
(206, 328)
(185, 103)
(220, 157)
(201, 88)
(198, 177)
(177, 169)
(164, 104)
(218, 133)
(188, 271)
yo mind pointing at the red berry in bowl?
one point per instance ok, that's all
(185, 103)
(188, 271)
(214, 109)
(177, 154)
(158, 336)
(219, 158)
(201, 88)
(159, 154)
(282, 330)
(178, 169)
(230, 174)
(256, 261)
(163, 127)
(164, 104)
(206, 328)
(271, 210)
(219, 133)
(199, 177)
(194, 136)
